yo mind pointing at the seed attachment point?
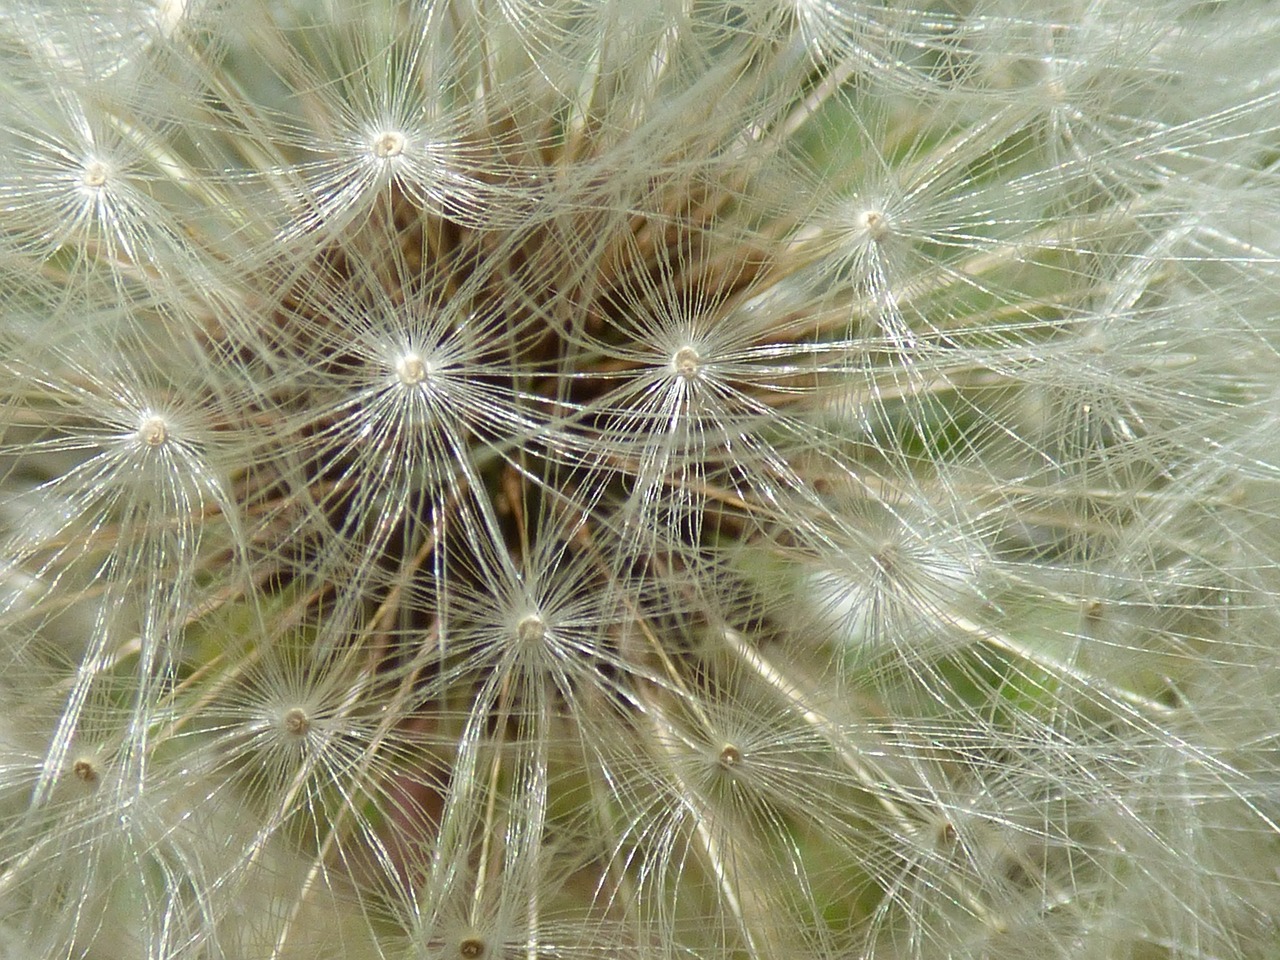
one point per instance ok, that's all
(388, 144)
(875, 224)
(153, 431)
(686, 363)
(296, 722)
(530, 630)
(412, 369)
(729, 757)
(94, 175)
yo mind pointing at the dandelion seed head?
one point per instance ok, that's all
(699, 478)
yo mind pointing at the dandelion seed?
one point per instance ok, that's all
(154, 431)
(730, 756)
(86, 771)
(531, 630)
(412, 370)
(296, 721)
(686, 362)
(875, 224)
(389, 144)
(94, 175)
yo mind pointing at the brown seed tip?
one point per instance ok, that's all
(296, 721)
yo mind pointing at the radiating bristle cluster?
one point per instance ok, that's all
(722, 479)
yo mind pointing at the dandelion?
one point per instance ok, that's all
(539, 479)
